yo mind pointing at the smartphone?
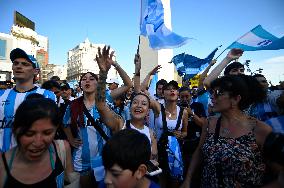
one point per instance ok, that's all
(152, 170)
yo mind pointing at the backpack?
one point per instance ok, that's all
(169, 152)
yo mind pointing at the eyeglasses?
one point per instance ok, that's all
(24, 63)
(216, 93)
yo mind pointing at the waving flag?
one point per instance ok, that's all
(258, 39)
(188, 65)
(153, 26)
(152, 87)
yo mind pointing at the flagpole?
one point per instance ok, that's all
(140, 21)
(221, 53)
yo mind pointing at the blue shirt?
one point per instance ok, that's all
(10, 99)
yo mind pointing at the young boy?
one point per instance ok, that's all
(125, 156)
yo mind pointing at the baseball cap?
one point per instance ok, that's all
(19, 53)
(113, 80)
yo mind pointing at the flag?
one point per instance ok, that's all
(152, 25)
(188, 66)
(258, 39)
(152, 87)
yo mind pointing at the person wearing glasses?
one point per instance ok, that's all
(229, 153)
(25, 69)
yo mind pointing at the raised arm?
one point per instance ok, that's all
(204, 74)
(127, 83)
(149, 76)
(137, 62)
(108, 116)
(232, 55)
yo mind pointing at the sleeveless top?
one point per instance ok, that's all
(232, 162)
(54, 180)
(171, 123)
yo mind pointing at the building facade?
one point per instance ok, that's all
(6, 45)
(81, 59)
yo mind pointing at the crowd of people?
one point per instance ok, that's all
(226, 132)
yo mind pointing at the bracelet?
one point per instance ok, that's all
(115, 65)
(102, 75)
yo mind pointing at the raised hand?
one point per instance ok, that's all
(137, 62)
(104, 58)
(235, 53)
(155, 70)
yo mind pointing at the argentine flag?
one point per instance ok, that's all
(188, 66)
(258, 39)
(153, 26)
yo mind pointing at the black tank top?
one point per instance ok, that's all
(54, 180)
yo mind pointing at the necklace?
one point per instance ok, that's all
(170, 114)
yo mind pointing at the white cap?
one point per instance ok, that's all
(113, 80)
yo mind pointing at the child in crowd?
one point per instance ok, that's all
(125, 156)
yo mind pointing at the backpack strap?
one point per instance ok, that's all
(217, 130)
(121, 108)
(95, 123)
(163, 111)
(179, 118)
(127, 124)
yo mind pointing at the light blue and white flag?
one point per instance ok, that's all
(152, 87)
(258, 39)
(152, 25)
(188, 66)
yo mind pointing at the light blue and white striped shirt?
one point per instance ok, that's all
(88, 155)
(10, 99)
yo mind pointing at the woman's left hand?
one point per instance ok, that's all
(104, 58)
(178, 134)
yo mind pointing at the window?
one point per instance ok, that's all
(3, 49)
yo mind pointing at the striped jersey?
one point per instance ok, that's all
(88, 155)
(10, 99)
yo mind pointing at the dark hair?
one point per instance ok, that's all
(136, 94)
(50, 84)
(128, 149)
(246, 86)
(93, 74)
(35, 96)
(184, 89)
(258, 76)
(171, 83)
(234, 65)
(55, 78)
(32, 110)
(161, 82)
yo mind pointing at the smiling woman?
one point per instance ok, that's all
(35, 125)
